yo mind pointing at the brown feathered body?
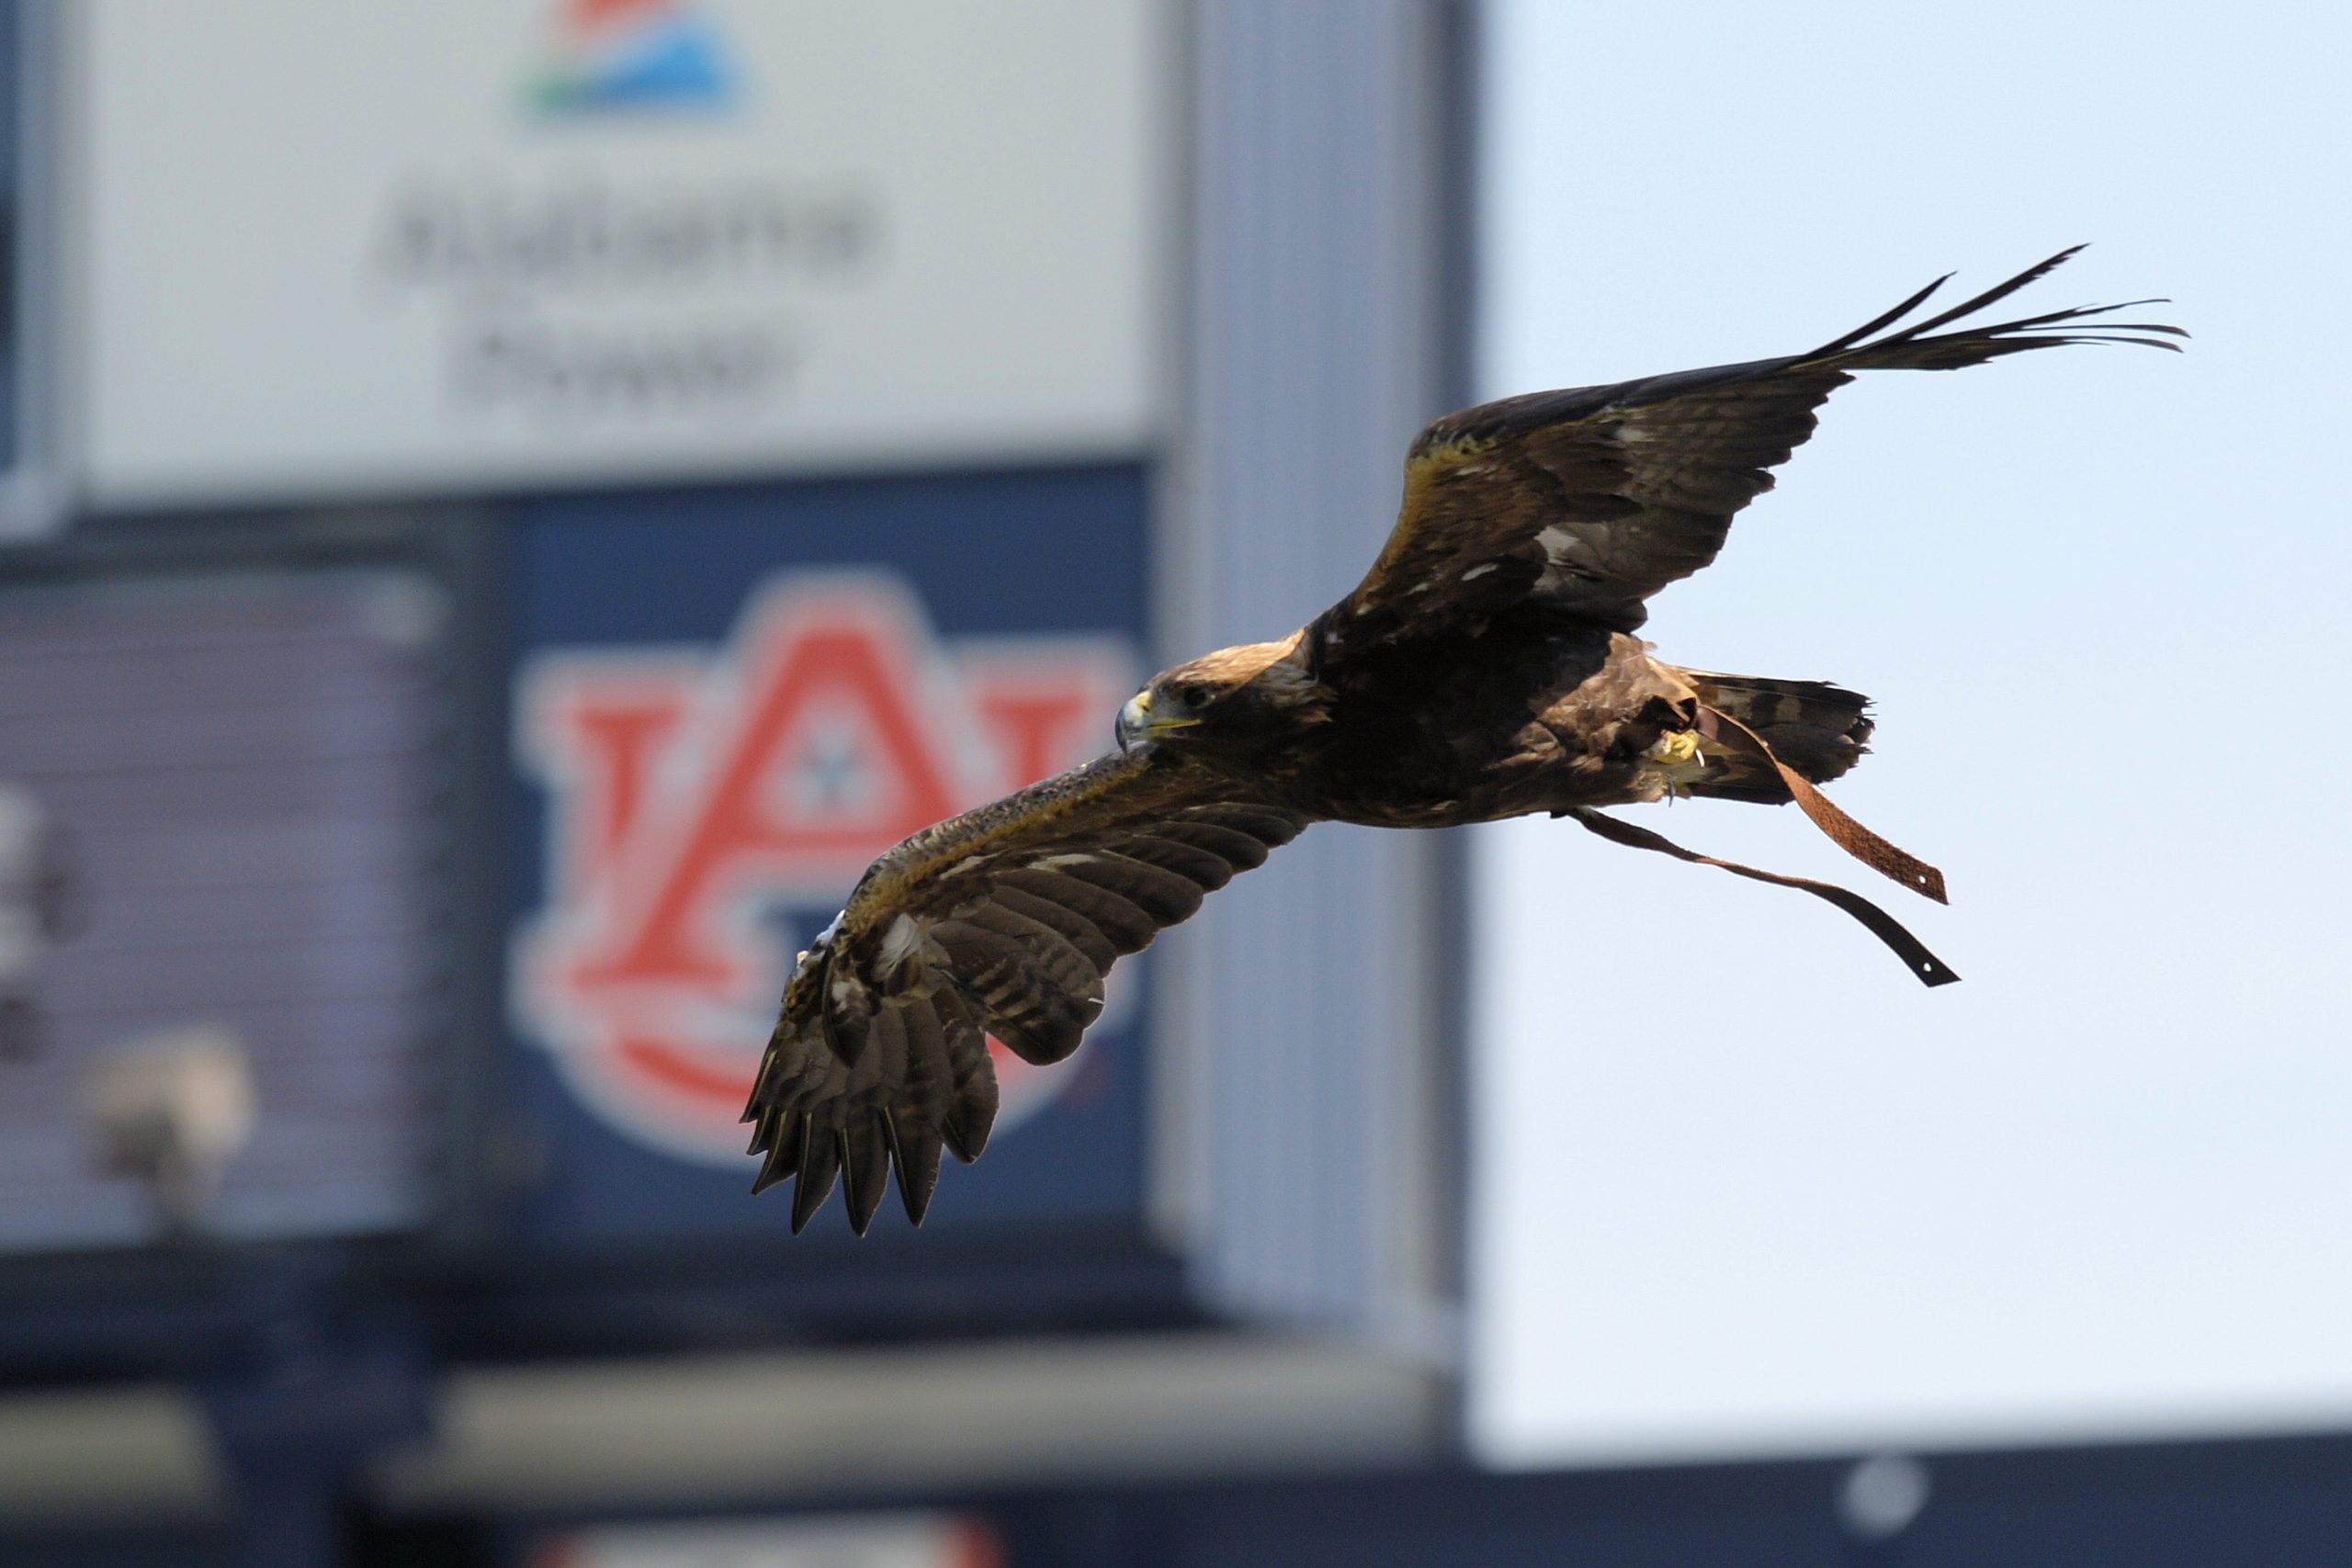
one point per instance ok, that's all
(1485, 668)
(1525, 715)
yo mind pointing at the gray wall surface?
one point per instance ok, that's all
(1320, 330)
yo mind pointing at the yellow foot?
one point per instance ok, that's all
(1677, 761)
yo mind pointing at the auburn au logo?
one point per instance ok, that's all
(708, 812)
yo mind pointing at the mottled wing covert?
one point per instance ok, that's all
(1588, 500)
(1002, 921)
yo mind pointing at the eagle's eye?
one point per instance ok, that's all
(1193, 695)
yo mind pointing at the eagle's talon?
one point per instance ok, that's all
(1678, 760)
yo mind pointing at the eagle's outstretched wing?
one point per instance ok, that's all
(1588, 500)
(1002, 921)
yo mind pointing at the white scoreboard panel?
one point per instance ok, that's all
(455, 244)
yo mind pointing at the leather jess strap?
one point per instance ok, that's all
(1932, 970)
(1842, 830)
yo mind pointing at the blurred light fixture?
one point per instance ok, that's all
(1882, 1495)
(173, 1109)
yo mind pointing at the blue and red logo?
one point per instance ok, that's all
(629, 55)
(710, 811)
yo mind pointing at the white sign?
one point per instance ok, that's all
(445, 244)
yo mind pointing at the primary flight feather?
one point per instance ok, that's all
(1484, 669)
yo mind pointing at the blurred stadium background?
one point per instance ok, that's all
(511, 503)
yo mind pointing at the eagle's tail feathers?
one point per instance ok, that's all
(1817, 728)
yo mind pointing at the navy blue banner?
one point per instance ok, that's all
(726, 702)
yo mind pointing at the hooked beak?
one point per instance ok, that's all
(1138, 723)
(1134, 722)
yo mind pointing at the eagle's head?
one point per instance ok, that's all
(1236, 698)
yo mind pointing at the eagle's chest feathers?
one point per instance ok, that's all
(1521, 721)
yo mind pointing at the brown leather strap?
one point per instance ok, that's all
(1931, 970)
(1844, 831)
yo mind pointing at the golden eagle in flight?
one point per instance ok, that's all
(1485, 668)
